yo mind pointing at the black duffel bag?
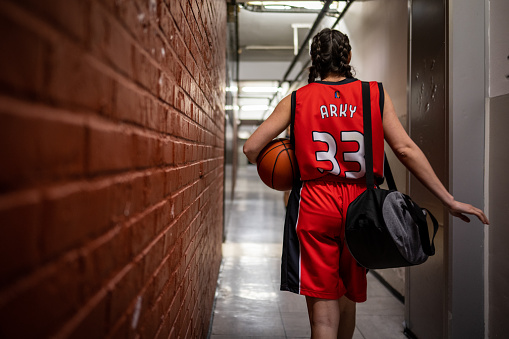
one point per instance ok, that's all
(385, 228)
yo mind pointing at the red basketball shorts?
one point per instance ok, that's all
(316, 261)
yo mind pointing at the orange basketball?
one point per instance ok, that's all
(277, 165)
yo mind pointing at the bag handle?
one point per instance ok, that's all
(427, 247)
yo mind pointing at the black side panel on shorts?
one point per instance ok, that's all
(291, 249)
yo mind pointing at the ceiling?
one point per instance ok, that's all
(269, 35)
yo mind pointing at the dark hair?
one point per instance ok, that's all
(330, 50)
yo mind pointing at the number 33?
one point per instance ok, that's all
(330, 154)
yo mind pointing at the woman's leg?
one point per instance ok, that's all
(323, 317)
(347, 309)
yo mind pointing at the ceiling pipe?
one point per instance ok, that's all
(319, 18)
(308, 37)
(309, 61)
(349, 2)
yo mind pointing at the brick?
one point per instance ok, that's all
(22, 62)
(110, 149)
(179, 153)
(73, 214)
(161, 280)
(167, 152)
(128, 15)
(150, 324)
(147, 151)
(109, 40)
(125, 291)
(69, 17)
(39, 151)
(105, 259)
(167, 88)
(121, 330)
(94, 323)
(146, 73)
(156, 117)
(74, 81)
(20, 228)
(143, 230)
(127, 104)
(40, 307)
(153, 259)
(164, 331)
(155, 186)
(136, 200)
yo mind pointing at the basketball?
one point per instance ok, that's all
(277, 165)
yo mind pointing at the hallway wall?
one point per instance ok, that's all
(111, 175)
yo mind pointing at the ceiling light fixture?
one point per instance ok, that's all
(277, 7)
(231, 107)
(288, 5)
(247, 108)
(249, 89)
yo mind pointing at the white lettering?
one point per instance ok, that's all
(333, 110)
(342, 112)
(352, 110)
(323, 111)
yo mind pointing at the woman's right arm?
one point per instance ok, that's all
(416, 162)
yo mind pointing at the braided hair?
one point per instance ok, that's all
(330, 51)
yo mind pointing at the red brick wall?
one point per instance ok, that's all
(111, 167)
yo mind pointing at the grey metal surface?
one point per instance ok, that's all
(466, 157)
(426, 284)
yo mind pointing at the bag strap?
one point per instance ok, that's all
(388, 175)
(368, 140)
(292, 118)
(435, 230)
(420, 219)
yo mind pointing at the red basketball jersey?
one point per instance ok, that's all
(329, 133)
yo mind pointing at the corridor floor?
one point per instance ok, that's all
(248, 301)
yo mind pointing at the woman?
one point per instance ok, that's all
(329, 147)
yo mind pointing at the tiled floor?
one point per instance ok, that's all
(248, 301)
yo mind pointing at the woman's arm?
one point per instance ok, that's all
(276, 123)
(416, 162)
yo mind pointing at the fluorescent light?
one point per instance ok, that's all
(249, 89)
(285, 5)
(231, 108)
(232, 89)
(312, 5)
(277, 7)
(254, 107)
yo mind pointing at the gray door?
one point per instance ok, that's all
(426, 284)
